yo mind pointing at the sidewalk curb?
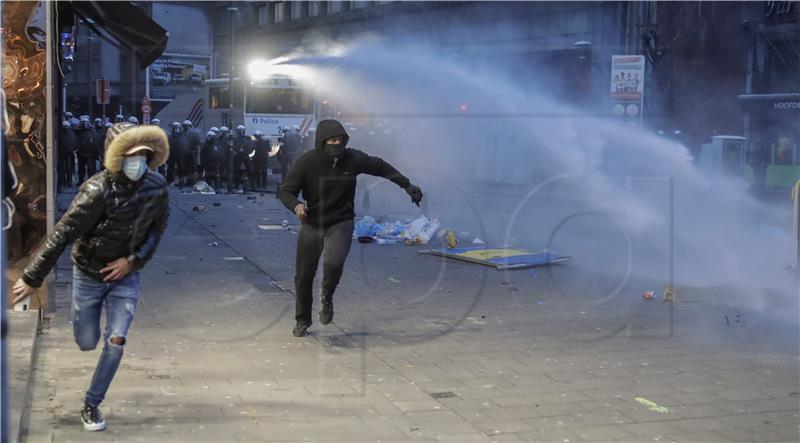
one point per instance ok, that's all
(22, 425)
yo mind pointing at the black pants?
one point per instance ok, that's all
(66, 167)
(333, 244)
(86, 165)
(212, 173)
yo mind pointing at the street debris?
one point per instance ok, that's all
(217, 204)
(251, 197)
(365, 239)
(204, 188)
(213, 243)
(272, 227)
(200, 208)
(168, 272)
(419, 231)
(655, 407)
(394, 280)
(500, 258)
(451, 238)
(233, 258)
(649, 295)
(478, 241)
(669, 294)
(737, 320)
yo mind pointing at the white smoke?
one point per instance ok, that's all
(466, 124)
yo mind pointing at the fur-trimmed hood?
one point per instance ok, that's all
(123, 136)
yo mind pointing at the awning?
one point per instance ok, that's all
(770, 102)
(128, 25)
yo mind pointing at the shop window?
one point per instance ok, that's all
(315, 9)
(298, 10)
(263, 15)
(280, 8)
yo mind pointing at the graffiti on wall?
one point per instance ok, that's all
(24, 83)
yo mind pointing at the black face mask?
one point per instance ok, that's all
(334, 150)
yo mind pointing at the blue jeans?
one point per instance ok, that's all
(120, 298)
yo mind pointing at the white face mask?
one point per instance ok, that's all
(134, 167)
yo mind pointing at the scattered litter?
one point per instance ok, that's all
(737, 320)
(271, 227)
(251, 197)
(451, 238)
(420, 231)
(394, 280)
(169, 272)
(217, 204)
(655, 407)
(649, 295)
(446, 394)
(669, 293)
(233, 258)
(500, 258)
(415, 232)
(204, 188)
(365, 239)
(478, 241)
(475, 321)
(213, 243)
(200, 208)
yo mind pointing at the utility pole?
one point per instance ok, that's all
(89, 73)
(232, 10)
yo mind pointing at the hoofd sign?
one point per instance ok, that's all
(146, 109)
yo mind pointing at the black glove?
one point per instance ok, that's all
(415, 192)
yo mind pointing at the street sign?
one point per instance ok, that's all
(103, 93)
(146, 109)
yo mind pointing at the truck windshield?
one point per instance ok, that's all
(278, 101)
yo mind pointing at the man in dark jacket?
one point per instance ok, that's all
(327, 178)
(67, 143)
(115, 224)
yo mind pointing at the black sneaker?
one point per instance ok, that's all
(92, 418)
(300, 330)
(326, 310)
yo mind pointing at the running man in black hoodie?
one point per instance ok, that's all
(327, 178)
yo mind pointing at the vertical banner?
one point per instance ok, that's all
(627, 86)
(146, 109)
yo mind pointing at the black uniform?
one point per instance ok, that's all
(192, 159)
(177, 166)
(211, 159)
(292, 145)
(87, 153)
(261, 146)
(242, 147)
(328, 184)
(67, 144)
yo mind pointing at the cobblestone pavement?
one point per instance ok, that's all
(421, 349)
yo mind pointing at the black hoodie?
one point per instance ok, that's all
(328, 184)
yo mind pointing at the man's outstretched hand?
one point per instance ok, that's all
(415, 192)
(22, 291)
